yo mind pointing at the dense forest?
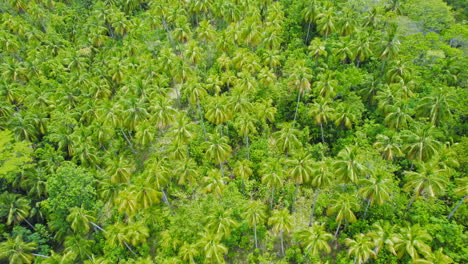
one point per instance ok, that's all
(233, 131)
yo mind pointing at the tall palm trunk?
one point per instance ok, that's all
(272, 198)
(308, 30)
(128, 140)
(456, 207)
(297, 104)
(294, 197)
(282, 243)
(201, 118)
(166, 201)
(255, 235)
(367, 207)
(247, 145)
(311, 220)
(411, 203)
(321, 130)
(355, 259)
(337, 229)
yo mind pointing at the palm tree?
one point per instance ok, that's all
(382, 233)
(272, 177)
(348, 166)
(429, 181)
(309, 14)
(436, 107)
(326, 22)
(375, 189)
(221, 222)
(14, 207)
(397, 117)
(322, 113)
(421, 144)
(326, 84)
(321, 178)
(390, 46)
(390, 147)
(217, 149)
(68, 257)
(282, 223)
(217, 112)
(79, 219)
(361, 248)
(79, 245)
(437, 257)
(412, 240)
(462, 190)
(343, 206)
(300, 80)
(213, 248)
(215, 182)
(255, 215)
(361, 48)
(243, 170)
(317, 49)
(188, 252)
(245, 125)
(287, 139)
(300, 170)
(17, 251)
(314, 240)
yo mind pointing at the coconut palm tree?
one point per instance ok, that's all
(80, 219)
(437, 257)
(300, 80)
(343, 206)
(188, 252)
(429, 181)
(462, 190)
(322, 113)
(390, 147)
(375, 189)
(361, 248)
(436, 107)
(348, 166)
(213, 248)
(281, 221)
(255, 215)
(397, 117)
(245, 125)
(17, 251)
(317, 49)
(217, 149)
(215, 182)
(314, 240)
(326, 84)
(382, 234)
(300, 167)
(420, 144)
(287, 139)
(272, 177)
(14, 207)
(321, 178)
(326, 22)
(309, 13)
(412, 240)
(221, 222)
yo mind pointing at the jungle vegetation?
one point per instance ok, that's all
(233, 131)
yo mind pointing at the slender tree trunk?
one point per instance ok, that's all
(321, 130)
(247, 145)
(456, 207)
(169, 34)
(308, 30)
(311, 220)
(128, 140)
(410, 204)
(272, 198)
(297, 104)
(166, 201)
(355, 259)
(39, 255)
(282, 243)
(255, 235)
(129, 248)
(294, 197)
(97, 226)
(383, 67)
(29, 224)
(367, 207)
(337, 229)
(201, 118)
